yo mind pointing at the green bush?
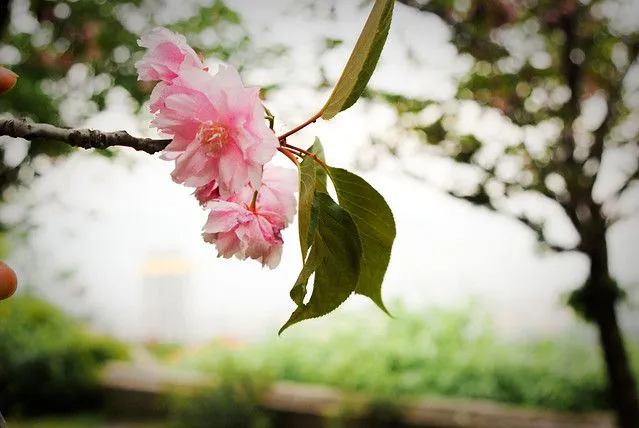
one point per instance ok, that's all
(436, 353)
(231, 403)
(48, 363)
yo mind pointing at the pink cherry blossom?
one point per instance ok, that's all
(218, 128)
(221, 146)
(207, 193)
(237, 230)
(167, 54)
(276, 193)
(246, 224)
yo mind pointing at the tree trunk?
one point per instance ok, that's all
(601, 297)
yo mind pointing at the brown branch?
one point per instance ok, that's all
(482, 199)
(83, 138)
(573, 74)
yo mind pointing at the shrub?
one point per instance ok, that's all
(232, 402)
(48, 362)
(438, 353)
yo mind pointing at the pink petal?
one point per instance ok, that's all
(189, 167)
(233, 171)
(224, 216)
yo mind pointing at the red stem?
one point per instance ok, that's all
(313, 119)
(305, 153)
(289, 155)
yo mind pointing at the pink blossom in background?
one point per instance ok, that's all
(219, 130)
(167, 54)
(239, 231)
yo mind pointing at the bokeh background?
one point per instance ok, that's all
(109, 240)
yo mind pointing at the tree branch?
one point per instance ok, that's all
(480, 198)
(84, 138)
(564, 158)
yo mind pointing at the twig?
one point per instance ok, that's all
(535, 227)
(303, 153)
(289, 155)
(84, 138)
(313, 119)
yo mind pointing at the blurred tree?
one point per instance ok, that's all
(560, 73)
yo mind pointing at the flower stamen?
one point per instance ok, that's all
(213, 136)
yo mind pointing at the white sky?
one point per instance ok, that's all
(105, 218)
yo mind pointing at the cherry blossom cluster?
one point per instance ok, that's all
(221, 145)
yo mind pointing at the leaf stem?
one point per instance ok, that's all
(313, 119)
(302, 152)
(289, 155)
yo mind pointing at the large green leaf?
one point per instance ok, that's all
(363, 59)
(335, 257)
(375, 226)
(312, 178)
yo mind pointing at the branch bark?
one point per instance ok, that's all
(83, 138)
(600, 290)
(601, 296)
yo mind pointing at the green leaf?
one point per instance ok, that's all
(312, 178)
(338, 251)
(363, 59)
(318, 150)
(298, 292)
(375, 226)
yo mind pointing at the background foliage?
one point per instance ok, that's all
(450, 353)
(48, 362)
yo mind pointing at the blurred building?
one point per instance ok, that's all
(166, 280)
